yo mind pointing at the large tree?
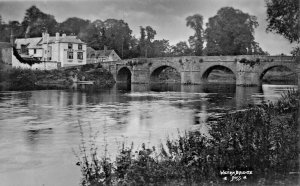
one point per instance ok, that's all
(146, 47)
(117, 36)
(181, 49)
(284, 18)
(73, 25)
(35, 22)
(231, 32)
(160, 48)
(113, 33)
(196, 41)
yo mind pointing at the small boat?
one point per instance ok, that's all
(85, 82)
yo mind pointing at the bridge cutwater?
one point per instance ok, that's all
(248, 69)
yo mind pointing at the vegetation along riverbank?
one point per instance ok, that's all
(27, 79)
(256, 146)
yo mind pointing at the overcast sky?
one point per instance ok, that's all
(167, 17)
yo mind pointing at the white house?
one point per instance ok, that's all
(68, 50)
(95, 56)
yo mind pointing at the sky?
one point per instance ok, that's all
(167, 17)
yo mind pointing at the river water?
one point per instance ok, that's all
(39, 130)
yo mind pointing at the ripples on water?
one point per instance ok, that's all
(38, 129)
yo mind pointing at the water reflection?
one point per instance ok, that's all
(39, 128)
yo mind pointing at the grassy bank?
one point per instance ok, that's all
(26, 79)
(262, 141)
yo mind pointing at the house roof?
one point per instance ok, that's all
(27, 41)
(65, 39)
(98, 53)
(38, 41)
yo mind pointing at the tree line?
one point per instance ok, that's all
(229, 32)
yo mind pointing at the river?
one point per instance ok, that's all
(39, 130)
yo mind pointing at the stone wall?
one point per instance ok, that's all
(5, 56)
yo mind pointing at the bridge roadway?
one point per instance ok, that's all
(248, 69)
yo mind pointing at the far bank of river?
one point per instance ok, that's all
(25, 79)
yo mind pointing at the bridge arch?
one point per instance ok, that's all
(208, 70)
(124, 75)
(272, 66)
(156, 70)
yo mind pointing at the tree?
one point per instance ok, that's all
(35, 22)
(13, 27)
(73, 25)
(150, 33)
(196, 41)
(181, 49)
(161, 48)
(117, 36)
(92, 36)
(142, 41)
(231, 32)
(283, 18)
(146, 45)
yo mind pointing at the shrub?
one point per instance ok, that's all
(22, 79)
(250, 62)
(262, 139)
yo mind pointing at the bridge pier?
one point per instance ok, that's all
(247, 75)
(191, 77)
(140, 75)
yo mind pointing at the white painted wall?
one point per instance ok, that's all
(71, 62)
(39, 52)
(49, 65)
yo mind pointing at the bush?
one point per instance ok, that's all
(250, 62)
(22, 79)
(262, 139)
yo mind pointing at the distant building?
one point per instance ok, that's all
(66, 50)
(95, 56)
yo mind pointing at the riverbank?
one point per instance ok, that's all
(26, 79)
(256, 146)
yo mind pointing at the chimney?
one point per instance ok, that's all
(45, 37)
(64, 35)
(56, 36)
(105, 49)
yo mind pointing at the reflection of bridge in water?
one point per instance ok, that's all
(238, 96)
(248, 70)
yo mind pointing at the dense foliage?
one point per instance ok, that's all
(27, 79)
(231, 32)
(231, 27)
(262, 140)
(196, 41)
(284, 18)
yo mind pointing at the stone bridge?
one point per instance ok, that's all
(248, 70)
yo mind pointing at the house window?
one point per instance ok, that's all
(79, 55)
(70, 55)
(34, 51)
(24, 49)
(70, 46)
(79, 46)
